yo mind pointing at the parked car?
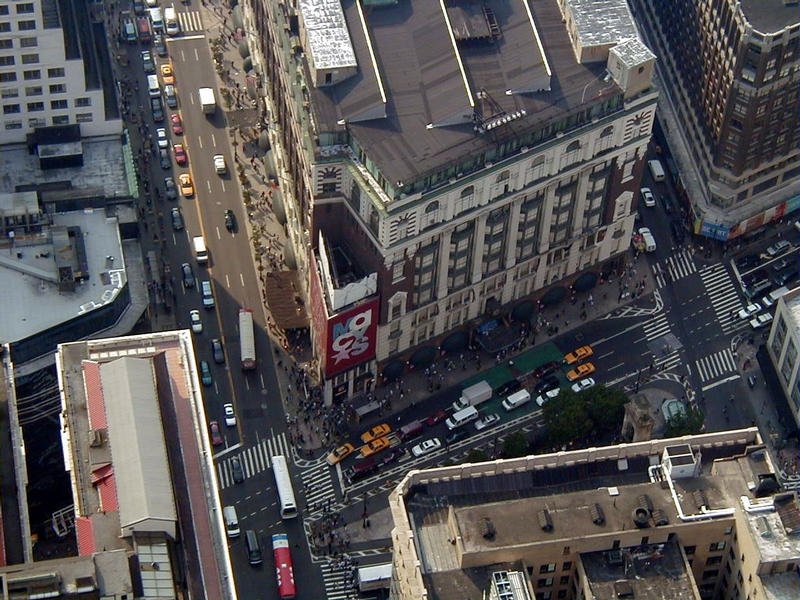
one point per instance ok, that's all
(486, 422)
(578, 355)
(340, 453)
(217, 352)
(456, 435)
(435, 418)
(230, 414)
(749, 261)
(170, 189)
(749, 310)
(392, 456)
(188, 275)
(509, 387)
(195, 321)
(237, 472)
(159, 44)
(216, 436)
(583, 384)
(376, 432)
(147, 62)
(426, 447)
(581, 371)
(230, 220)
(545, 369)
(205, 374)
(161, 138)
(177, 218)
(751, 279)
(761, 321)
(542, 399)
(163, 158)
(177, 123)
(186, 185)
(375, 446)
(548, 383)
(170, 96)
(167, 74)
(180, 154)
(786, 276)
(219, 164)
(157, 109)
(778, 248)
(780, 265)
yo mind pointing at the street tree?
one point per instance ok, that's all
(566, 418)
(515, 445)
(686, 422)
(476, 456)
(606, 407)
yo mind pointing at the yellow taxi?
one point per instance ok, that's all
(167, 74)
(375, 446)
(340, 454)
(376, 432)
(581, 371)
(186, 185)
(578, 355)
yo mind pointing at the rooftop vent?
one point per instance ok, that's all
(614, 558)
(644, 501)
(487, 529)
(700, 499)
(660, 517)
(545, 520)
(762, 525)
(598, 518)
(641, 517)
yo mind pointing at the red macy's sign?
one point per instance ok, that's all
(351, 337)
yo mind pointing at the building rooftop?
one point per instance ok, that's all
(29, 276)
(326, 29)
(439, 69)
(601, 22)
(770, 16)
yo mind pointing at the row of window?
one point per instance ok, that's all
(27, 59)
(55, 120)
(24, 42)
(5, 26)
(25, 8)
(52, 73)
(38, 90)
(10, 109)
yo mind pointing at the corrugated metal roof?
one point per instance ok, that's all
(94, 395)
(85, 533)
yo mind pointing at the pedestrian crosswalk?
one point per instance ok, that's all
(680, 265)
(254, 459)
(190, 20)
(656, 326)
(339, 580)
(724, 298)
(716, 365)
(670, 361)
(318, 487)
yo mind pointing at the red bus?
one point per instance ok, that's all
(283, 565)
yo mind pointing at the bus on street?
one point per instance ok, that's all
(246, 340)
(284, 484)
(283, 565)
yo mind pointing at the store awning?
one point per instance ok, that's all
(244, 49)
(554, 296)
(523, 311)
(284, 300)
(455, 342)
(393, 370)
(585, 282)
(423, 357)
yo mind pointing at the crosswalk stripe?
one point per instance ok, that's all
(724, 297)
(716, 365)
(190, 21)
(254, 460)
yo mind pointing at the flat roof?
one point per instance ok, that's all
(769, 16)
(28, 276)
(326, 29)
(601, 22)
(425, 84)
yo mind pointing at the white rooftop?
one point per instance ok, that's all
(328, 38)
(601, 22)
(30, 299)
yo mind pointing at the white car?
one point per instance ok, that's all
(778, 247)
(487, 421)
(161, 137)
(583, 384)
(749, 310)
(760, 321)
(648, 198)
(219, 164)
(549, 395)
(194, 319)
(230, 416)
(426, 447)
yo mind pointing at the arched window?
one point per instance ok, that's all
(607, 131)
(433, 206)
(431, 214)
(574, 146)
(502, 177)
(468, 191)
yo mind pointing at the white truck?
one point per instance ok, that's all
(473, 396)
(200, 251)
(207, 100)
(374, 577)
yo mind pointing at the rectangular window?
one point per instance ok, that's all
(56, 72)
(26, 25)
(14, 125)
(58, 88)
(9, 93)
(84, 118)
(30, 59)
(25, 9)
(5, 26)
(716, 547)
(6, 77)
(28, 42)
(61, 120)
(83, 101)
(35, 106)
(33, 90)
(567, 565)
(34, 74)
(58, 104)
(6, 61)
(6, 44)
(3, 9)
(10, 109)
(548, 568)
(564, 580)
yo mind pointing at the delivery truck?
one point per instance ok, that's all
(200, 251)
(473, 396)
(207, 100)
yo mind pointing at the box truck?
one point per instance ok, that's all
(207, 100)
(473, 395)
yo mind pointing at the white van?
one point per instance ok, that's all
(171, 21)
(656, 170)
(649, 240)
(516, 400)
(773, 296)
(462, 417)
(200, 251)
(231, 521)
(152, 86)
